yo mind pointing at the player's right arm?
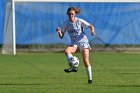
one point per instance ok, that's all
(60, 33)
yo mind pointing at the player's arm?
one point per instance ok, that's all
(87, 25)
(92, 29)
(60, 33)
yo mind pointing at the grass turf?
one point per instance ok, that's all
(43, 73)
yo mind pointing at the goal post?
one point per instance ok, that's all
(9, 39)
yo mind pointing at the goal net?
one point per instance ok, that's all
(30, 25)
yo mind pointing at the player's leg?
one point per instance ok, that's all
(68, 52)
(85, 54)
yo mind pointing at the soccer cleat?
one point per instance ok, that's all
(89, 81)
(71, 69)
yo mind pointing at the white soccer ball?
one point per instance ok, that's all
(74, 61)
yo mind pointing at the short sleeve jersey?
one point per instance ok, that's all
(75, 30)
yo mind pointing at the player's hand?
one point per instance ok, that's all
(93, 33)
(92, 29)
(58, 29)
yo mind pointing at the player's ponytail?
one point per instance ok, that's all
(77, 10)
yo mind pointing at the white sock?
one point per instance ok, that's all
(69, 56)
(89, 73)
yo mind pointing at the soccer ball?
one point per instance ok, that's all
(74, 61)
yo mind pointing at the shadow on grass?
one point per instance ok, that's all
(36, 84)
(119, 85)
(23, 84)
(130, 73)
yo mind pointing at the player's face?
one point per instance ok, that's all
(71, 14)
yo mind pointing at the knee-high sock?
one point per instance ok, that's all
(69, 56)
(89, 72)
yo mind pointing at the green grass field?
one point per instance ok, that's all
(43, 73)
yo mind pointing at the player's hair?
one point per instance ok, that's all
(77, 10)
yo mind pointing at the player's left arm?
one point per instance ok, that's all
(92, 29)
(87, 25)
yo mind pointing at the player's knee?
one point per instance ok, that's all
(66, 51)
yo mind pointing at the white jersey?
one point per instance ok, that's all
(75, 30)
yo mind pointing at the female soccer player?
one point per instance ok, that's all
(74, 26)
